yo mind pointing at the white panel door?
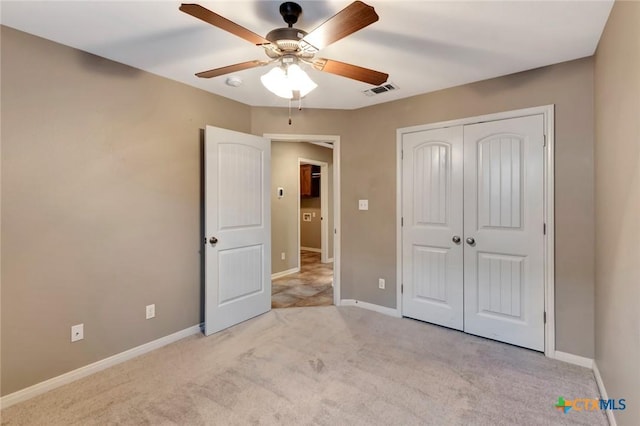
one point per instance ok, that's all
(237, 228)
(503, 229)
(432, 253)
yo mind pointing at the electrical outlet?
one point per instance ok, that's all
(363, 204)
(282, 256)
(151, 311)
(381, 283)
(77, 332)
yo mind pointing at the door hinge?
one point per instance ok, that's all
(402, 154)
(544, 228)
(544, 317)
(401, 288)
(544, 138)
(402, 221)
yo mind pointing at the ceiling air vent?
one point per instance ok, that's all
(387, 87)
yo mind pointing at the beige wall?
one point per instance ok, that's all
(306, 122)
(310, 232)
(100, 205)
(285, 173)
(617, 106)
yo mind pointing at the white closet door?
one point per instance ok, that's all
(503, 225)
(432, 216)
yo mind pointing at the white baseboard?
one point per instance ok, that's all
(330, 260)
(370, 306)
(87, 370)
(603, 394)
(315, 250)
(574, 359)
(284, 273)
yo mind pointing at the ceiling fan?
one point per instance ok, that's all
(290, 46)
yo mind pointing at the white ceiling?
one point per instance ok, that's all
(423, 45)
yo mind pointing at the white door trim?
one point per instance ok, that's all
(324, 210)
(549, 285)
(334, 141)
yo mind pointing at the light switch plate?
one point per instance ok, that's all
(150, 311)
(363, 204)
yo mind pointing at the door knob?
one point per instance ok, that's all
(456, 239)
(470, 241)
(213, 240)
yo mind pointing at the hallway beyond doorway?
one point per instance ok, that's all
(312, 286)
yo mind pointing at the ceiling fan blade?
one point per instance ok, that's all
(354, 72)
(231, 68)
(221, 22)
(352, 18)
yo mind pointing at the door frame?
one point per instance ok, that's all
(547, 112)
(327, 141)
(324, 210)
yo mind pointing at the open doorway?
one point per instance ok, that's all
(314, 217)
(302, 213)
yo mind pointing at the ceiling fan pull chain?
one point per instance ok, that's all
(289, 112)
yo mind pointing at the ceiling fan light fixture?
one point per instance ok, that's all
(276, 82)
(283, 82)
(299, 80)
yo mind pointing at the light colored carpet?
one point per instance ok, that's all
(327, 366)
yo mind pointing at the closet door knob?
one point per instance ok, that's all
(471, 241)
(456, 239)
(213, 240)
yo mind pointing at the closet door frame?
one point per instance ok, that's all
(547, 112)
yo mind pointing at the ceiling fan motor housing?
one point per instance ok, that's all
(290, 12)
(287, 40)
